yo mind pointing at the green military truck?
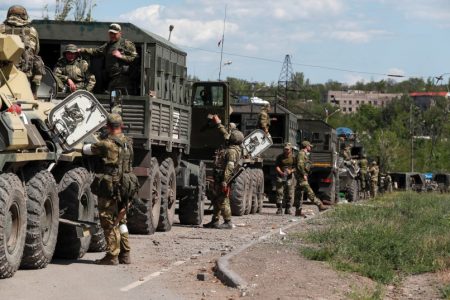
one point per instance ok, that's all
(174, 145)
(283, 129)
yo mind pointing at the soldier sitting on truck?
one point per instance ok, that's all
(118, 53)
(285, 167)
(302, 170)
(264, 119)
(224, 166)
(72, 72)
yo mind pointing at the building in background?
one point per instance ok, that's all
(349, 101)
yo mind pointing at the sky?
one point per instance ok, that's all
(365, 39)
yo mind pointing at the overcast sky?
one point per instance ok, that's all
(403, 37)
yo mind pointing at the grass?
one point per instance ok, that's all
(445, 291)
(366, 294)
(384, 239)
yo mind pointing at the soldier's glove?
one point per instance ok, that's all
(225, 188)
(215, 119)
(87, 149)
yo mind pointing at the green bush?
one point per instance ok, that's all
(401, 234)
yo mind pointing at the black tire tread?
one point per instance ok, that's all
(238, 197)
(167, 170)
(191, 209)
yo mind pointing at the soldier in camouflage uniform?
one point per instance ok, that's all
(109, 202)
(264, 119)
(347, 153)
(363, 168)
(373, 172)
(285, 167)
(302, 171)
(119, 53)
(225, 163)
(73, 72)
(17, 22)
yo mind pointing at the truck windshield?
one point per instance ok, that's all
(208, 95)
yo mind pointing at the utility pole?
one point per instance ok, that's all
(411, 132)
(285, 80)
(222, 42)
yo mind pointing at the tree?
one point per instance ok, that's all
(82, 10)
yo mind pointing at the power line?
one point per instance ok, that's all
(305, 65)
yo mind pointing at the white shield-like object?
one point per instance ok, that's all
(256, 142)
(76, 117)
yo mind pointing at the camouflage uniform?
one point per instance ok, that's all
(302, 170)
(76, 70)
(264, 119)
(117, 69)
(364, 166)
(285, 185)
(347, 154)
(18, 23)
(108, 149)
(373, 172)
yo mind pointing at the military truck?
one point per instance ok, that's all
(283, 129)
(323, 177)
(173, 142)
(443, 182)
(37, 185)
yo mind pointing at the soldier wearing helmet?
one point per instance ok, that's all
(72, 71)
(373, 173)
(363, 169)
(264, 119)
(17, 22)
(116, 153)
(285, 183)
(302, 171)
(225, 163)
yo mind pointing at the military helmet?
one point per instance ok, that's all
(306, 144)
(71, 48)
(114, 120)
(236, 137)
(374, 163)
(288, 146)
(266, 105)
(19, 11)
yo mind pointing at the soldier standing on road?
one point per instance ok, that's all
(72, 71)
(302, 171)
(119, 53)
(17, 22)
(373, 172)
(115, 163)
(264, 119)
(285, 167)
(224, 165)
(364, 166)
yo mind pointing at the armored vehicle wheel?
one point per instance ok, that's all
(254, 196)
(77, 203)
(168, 195)
(260, 189)
(192, 208)
(238, 197)
(143, 215)
(98, 242)
(43, 217)
(353, 191)
(13, 223)
(249, 191)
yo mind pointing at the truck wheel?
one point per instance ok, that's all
(254, 180)
(168, 195)
(353, 191)
(238, 199)
(98, 241)
(43, 217)
(143, 215)
(192, 208)
(13, 223)
(260, 189)
(77, 202)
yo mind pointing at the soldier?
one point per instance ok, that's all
(285, 167)
(302, 170)
(373, 172)
(264, 119)
(72, 71)
(119, 53)
(224, 165)
(17, 22)
(347, 153)
(364, 166)
(117, 156)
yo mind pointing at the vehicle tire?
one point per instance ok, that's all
(77, 202)
(191, 209)
(42, 220)
(13, 223)
(238, 199)
(98, 241)
(249, 192)
(168, 195)
(353, 191)
(254, 196)
(143, 215)
(260, 189)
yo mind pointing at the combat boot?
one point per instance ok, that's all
(226, 225)
(212, 224)
(124, 257)
(299, 213)
(323, 207)
(287, 210)
(279, 209)
(108, 260)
